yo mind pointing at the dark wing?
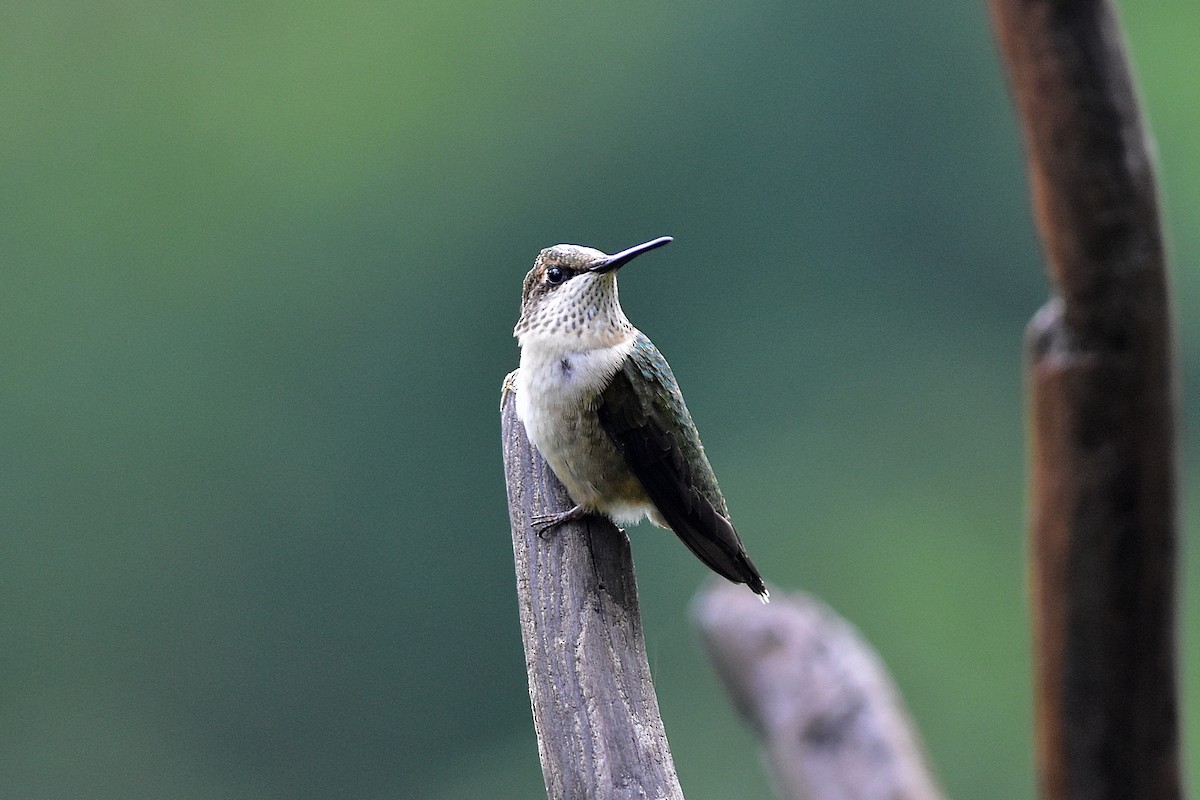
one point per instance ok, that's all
(688, 502)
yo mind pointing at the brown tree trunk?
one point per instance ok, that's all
(1103, 519)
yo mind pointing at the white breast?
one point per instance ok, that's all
(556, 393)
(554, 379)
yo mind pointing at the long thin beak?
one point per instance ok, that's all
(625, 256)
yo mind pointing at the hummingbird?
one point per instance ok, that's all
(602, 406)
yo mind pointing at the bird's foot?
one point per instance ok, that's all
(544, 524)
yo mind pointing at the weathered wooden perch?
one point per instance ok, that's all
(1102, 531)
(832, 724)
(594, 709)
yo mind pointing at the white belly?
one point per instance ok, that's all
(556, 400)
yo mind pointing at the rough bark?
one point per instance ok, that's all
(594, 708)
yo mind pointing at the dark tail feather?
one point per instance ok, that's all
(715, 542)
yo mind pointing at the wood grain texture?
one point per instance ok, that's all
(831, 723)
(1102, 409)
(594, 708)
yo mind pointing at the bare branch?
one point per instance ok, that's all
(1103, 538)
(832, 725)
(594, 707)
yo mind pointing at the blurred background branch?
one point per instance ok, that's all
(1102, 407)
(831, 723)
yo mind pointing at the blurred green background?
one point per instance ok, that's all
(261, 264)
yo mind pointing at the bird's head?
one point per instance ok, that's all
(571, 294)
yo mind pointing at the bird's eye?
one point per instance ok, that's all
(556, 275)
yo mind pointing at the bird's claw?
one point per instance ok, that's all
(544, 524)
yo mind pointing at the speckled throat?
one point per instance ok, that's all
(582, 310)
